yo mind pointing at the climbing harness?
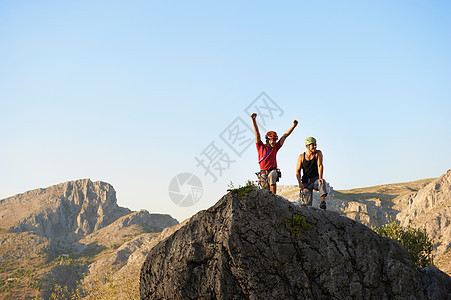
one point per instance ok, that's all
(262, 177)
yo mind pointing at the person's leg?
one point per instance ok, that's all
(306, 197)
(322, 192)
(273, 188)
(272, 179)
(262, 180)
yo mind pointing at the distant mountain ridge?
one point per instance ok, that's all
(54, 235)
(420, 204)
(72, 210)
(372, 206)
(67, 211)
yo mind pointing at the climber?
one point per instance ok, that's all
(267, 154)
(311, 164)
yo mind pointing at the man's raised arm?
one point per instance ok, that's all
(289, 131)
(254, 123)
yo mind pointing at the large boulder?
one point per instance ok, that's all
(256, 245)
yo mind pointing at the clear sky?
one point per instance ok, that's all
(135, 93)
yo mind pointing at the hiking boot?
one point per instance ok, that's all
(323, 205)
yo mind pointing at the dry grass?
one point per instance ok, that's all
(443, 262)
(386, 192)
(23, 261)
(103, 286)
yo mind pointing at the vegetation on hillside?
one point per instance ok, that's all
(104, 286)
(23, 261)
(416, 241)
(28, 267)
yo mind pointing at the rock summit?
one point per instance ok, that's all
(256, 245)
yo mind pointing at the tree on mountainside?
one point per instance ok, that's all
(415, 240)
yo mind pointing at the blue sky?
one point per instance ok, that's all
(131, 92)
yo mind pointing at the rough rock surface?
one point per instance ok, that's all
(242, 248)
(430, 208)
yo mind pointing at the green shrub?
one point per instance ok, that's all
(36, 284)
(297, 224)
(63, 292)
(7, 284)
(416, 241)
(242, 190)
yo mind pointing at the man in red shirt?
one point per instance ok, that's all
(267, 152)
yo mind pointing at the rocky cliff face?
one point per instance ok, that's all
(260, 246)
(430, 208)
(66, 211)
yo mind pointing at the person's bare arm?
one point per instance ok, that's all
(320, 166)
(254, 123)
(298, 171)
(289, 131)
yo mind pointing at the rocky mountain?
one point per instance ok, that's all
(430, 208)
(66, 212)
(256, 245)
(55, 235)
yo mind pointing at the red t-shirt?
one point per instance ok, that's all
(270, 160)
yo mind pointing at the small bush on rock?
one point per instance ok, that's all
(297, 224)
(416, 241)
(242, 190)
